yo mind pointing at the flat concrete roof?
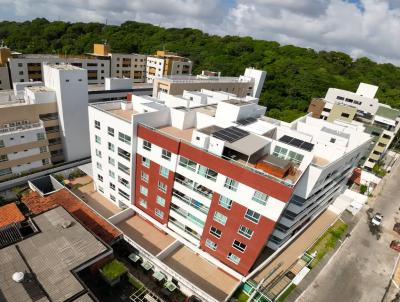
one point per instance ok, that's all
(50, 255)
(185, 134)
(202, 273)
(125, 114)
(145, 234)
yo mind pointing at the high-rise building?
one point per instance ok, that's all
(219, 176)
(380, 120)
(165, 63)
(44, 124)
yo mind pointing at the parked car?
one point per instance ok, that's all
(395, 244)
(377, 219)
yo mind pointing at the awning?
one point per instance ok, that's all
(159, 276)
(147, 265)
(170, 286)
(134, 257)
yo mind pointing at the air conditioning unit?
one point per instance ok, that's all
(6, 125)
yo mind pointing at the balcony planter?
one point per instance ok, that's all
(113, 271)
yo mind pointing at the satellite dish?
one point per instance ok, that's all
(18, 277)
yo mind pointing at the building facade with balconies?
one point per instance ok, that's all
(226, 181)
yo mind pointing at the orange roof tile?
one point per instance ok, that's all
(10, 214)
(38, 204)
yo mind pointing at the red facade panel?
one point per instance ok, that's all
(261, 231)
(242, 175)
(158, 139)
(154, 177)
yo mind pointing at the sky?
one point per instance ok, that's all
(358, 27)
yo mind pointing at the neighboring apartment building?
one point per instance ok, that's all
(131, 66)
(165, 63)
(219, 176)
(250, 83)
(29, 67)
(5, 53)
(380, 120)
(45, 124)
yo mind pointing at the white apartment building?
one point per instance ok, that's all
(222, 178)
(131, 66)
(25, 68)
(43, 124)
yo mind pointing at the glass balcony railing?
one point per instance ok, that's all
(194, 186)
(191, 202)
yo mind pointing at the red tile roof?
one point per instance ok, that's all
(10, 214)
(356, 176)
(98, 225)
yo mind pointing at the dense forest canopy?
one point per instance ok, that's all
(295, 74)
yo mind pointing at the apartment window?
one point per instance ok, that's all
(111, 147)
(218, 217)
(144, 176)
(160, 201)
(225, 202)
(123, 194)
(159, 213)
(187, 163)
(97, 124)
(164, 172)
(5, 171)
(110, 131)
(123, 181)
(3, 158)
(345, 115)
(145, 162)
(124, 154)
(245, 232)
(124, 138)
(97, 139)
(252, 216)
(386, 136)
(45, 161)
(211, 245)
(111, 161)
(2, 143)
(99, 166)
(260, 198)
(99, 177)
(216, 232)
(231, 184)
(19, 64)
(101, 189)
(340, 98)
(112, 197)
(232, 257)
(111, 174)
(296, 158)
(381, 145)
(43, 149)
(332, 140)
(112, 186)
(143, 203)
(98, 153)
(166, 154)
(40, 136)
(123, 168)
(144, 190)
(207, 173)
(239, 245)
(162, 187)
(147, 145)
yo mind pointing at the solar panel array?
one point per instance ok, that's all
(230, 134)
(247, 121)
(296, 142)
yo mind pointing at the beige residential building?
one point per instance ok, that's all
(165, 63)
(248, 84)
(4, 74)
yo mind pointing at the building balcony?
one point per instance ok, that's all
(194, 204)
(194, 186)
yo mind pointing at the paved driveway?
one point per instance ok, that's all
(362, 268)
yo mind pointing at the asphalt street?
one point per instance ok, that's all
(362, 268)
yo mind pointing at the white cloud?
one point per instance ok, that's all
(320, 24)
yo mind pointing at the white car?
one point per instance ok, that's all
(377, 219)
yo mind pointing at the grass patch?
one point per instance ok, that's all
(286, 293)
(327, 242)
(113, 270)
(242, 297)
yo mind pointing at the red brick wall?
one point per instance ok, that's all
(261, 232)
